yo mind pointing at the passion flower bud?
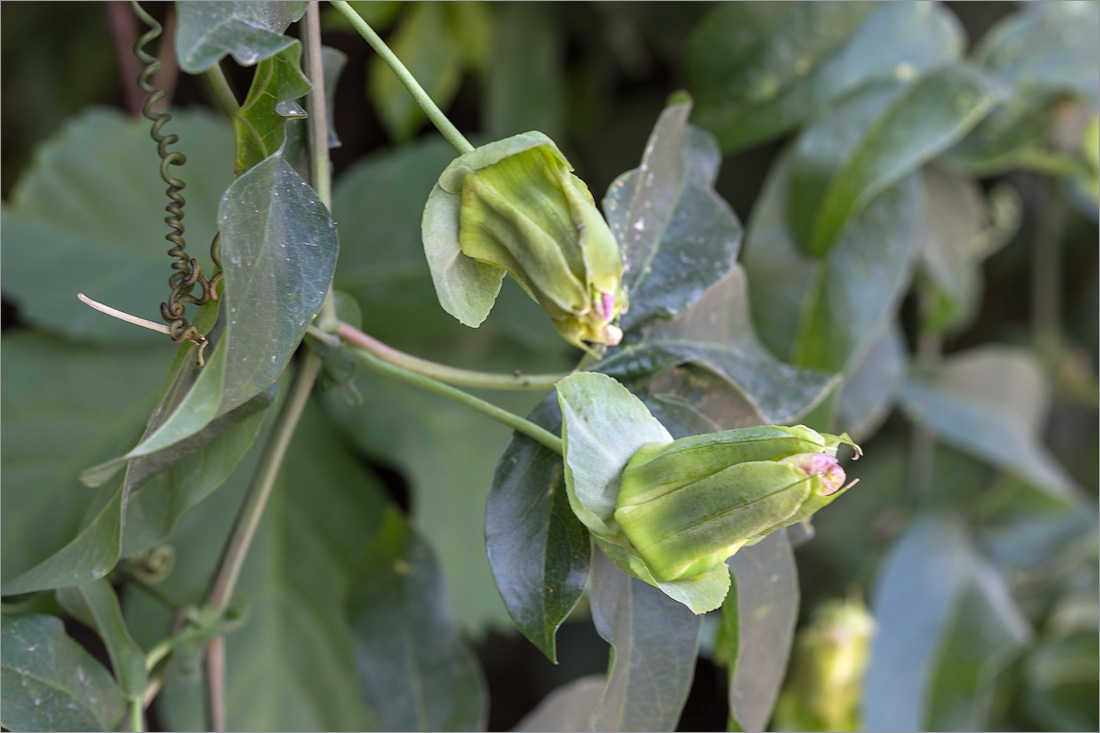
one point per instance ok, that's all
(522, 211)
(691, 504)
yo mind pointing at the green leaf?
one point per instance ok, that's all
(991, 402)
(414, 669)
(279, 252)
(333, 61)
(677, 236)
(250, 32)
(717, 335)
(538, 550)
(95, 605)
(655, 641)
(767, 609)
(567, 708)
(429, 51)
(260, 124)
(873, 139)
(50, 683)
(826, 312)
(292, 662)
(65, 405)
(947, 626)
(602, 427)
(107, 240)
(761, 69)
(871, 389)
(525, 79)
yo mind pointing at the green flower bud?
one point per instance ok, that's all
(523, 212)
(689, 505)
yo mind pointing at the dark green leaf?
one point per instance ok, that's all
(95, 605)
(991, 402)
(1061, 672)
(249, 31)
(871, 389)
(947, 626)
(655, 640)
(677, 236)
(825, 313)
(767, 609)
(333, 60)
(279, 252)
(260, 124)
(294, 668)
(50, 683)
(430, 53)
(107, 239)
(525, 80)
(760, 69)
(717, 335)
(870, 141)
(414, 669)
(539, 552)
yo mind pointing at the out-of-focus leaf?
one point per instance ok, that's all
(760, 69)
(870, 141)
(677, 236)
(294, 667)
(65, 405)
(568, 708)
(655, 641)
(333, 60)
(95, 605)
(1061, 671)
(470, 25)
(379, 14)
(93, 196)
(414, 669)
(525, 84)
(825, 313)
(538, 550)
(767, 609)
(250, 32)
(428, 50)
(717, 335)
(279, 253)
(260, 124)
(990, 402)
(50, 683)
(947, 626)
(871, 388)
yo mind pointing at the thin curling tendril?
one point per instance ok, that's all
(187, 273)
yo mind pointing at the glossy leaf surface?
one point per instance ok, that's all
(96, 606)
(260, 125)
(250, 32)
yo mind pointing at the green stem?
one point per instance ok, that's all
(922, 444)
(219, 85)
(443, 373)
(515, 422)
(448, 130)
(320, 167)
(137, 715)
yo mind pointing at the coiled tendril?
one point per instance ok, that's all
(187, 273)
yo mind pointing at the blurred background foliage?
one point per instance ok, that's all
(1021, 304)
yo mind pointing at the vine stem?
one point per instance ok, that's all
(444, 125)
(512, 420)
(443, 373)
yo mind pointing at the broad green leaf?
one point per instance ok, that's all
(50, 683)
(870, 141)
(525, 79)
(760, 69)
(655, 641)
(825, 313)
(716, 334)
(279, 253)
(538, 550)
(677, 236)
(414, 669)
(65, 405)
(291, 665)
(88, 216)
(248, 31)
(425, 45)
(767, 609)
(602, 426)
(871, 389)
(567, 708)
(1061, 671)
(947, 626)
(260, 124)
(95, 605)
